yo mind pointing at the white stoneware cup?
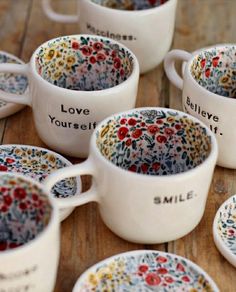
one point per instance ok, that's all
(74, 83)
(151, 169)
(209, 92)
(146, 27)
(29, 235)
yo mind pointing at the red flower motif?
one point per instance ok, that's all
(231, 231)
(13, 245)
(132, 122)
(162, 271)
(180, 267)
(3, 168)
(122, 72)
(143, 268)
(153, 279)
(161, 259)
(7, 200)
(156, 166)
(215, 61)
(143, 124)
(3, 245)
(4, 209)
(177, 126)
(153, 129)
(101, 57)
(10, 160)
(22, 206)
(92, 60)
(122, 132)
(169, 131)
(19, 193)
(123, 121)
(117, 63)
(168, 279)
(75, 45)
(152, 2)
(137, 133)
(98, 46)
(161, 139)
(133, 168)
(35, 197)
(113, 54)
(207, 72)
(185, 279)
(86, 50)
(203, 63)
(128, 142)
(144, 167)
(159, 122)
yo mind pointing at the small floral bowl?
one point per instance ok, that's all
(224, 229)
(145, 270)
(38, 163)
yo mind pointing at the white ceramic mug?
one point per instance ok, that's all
(74, 83)
(146, 27)
(29, 235)
(209, 91)
(151, 168)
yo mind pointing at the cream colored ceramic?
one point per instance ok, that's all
(146, 29)
(151, 169)
(209, 93)
(75, 82)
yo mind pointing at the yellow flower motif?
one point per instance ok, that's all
(50, 54)
(92, 280)
(18, 151)
(25, 161)
(104, 131)
(57, 75)
(60, 63)
(70, 60)
(44, 166)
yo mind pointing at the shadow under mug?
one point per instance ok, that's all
(145, 27)
(29, 235)
(74, 83)
(209, 91)
(151, 169)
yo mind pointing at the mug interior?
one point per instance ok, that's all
(215, 70)
(130, 4)
(153, 142)
(25, 211)
(83, 63)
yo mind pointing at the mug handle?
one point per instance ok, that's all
(169, 66)
(85, 167)
(57, 16)
(11, 97)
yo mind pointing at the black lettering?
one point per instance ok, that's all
(62, 109)
(86, 112)
(64, 124)
(216, 119)
(167, 200)
(204, 114)
(83, 127)
(71, 110)
(157, 200)
(76, 126)
(52, 119)
(57, 123)
(189, 195)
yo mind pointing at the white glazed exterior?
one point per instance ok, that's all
(46, 99)
(152, 29)
(126, 199)
(222, 107)
(42, 253)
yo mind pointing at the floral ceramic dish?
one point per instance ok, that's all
(145, 271)
(11, 83)
(224, 229)
(38, 163)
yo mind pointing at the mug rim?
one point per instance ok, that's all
(128, 12)
(189, 63)
(211, 157)
(131, 78)
(143, 251)
(54, 218)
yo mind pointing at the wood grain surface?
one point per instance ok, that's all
(85, 240)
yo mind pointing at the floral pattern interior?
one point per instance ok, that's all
(24, 211)
(10, 82)
(130, 4)
(150, 271)
(153, 142)
(83, 63)
(215, 70)
(226, 224)
(38, 164)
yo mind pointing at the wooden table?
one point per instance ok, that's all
(85, 240)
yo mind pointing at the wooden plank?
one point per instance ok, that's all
(200, 24)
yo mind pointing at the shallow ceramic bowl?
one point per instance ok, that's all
(38, 163)
(12, 83)
(224, 229)
(143, 271)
